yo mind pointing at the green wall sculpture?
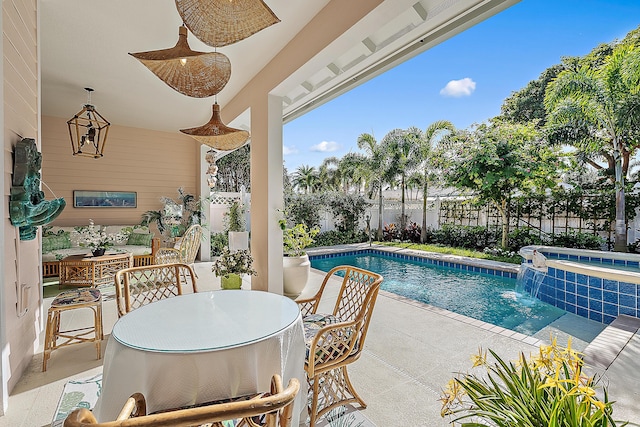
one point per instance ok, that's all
(27, 207)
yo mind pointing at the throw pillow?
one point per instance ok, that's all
(57, 241)
(139, 239)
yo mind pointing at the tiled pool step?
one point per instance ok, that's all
(606, 347)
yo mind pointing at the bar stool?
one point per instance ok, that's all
(71, 300)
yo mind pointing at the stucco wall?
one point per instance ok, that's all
(20, 115)
(151, 163)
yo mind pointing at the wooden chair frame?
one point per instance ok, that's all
(137, 286)
(337, 345)
(276, 405)
(188, 250)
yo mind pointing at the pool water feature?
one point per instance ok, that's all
(593, 284)
(483, 296)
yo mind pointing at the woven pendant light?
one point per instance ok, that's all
(224, 22)
(195, 74)
(217, 135)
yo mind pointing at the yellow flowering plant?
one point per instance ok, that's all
(547, 389)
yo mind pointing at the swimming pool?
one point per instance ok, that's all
(486, 297)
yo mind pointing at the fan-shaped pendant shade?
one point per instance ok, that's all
(195, 74)
(217, 135)
(223, 22)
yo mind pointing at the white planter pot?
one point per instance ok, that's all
(238, 240)
(295, 272)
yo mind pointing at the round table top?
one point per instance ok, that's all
(206, 321)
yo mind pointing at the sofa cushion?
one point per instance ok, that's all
(140, 239)
(54, 242)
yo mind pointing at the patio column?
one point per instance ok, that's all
(205, 191)
(266, 192)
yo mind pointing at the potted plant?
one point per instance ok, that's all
(295, 263)
(238, 236)
(231, 265)
(97, 239)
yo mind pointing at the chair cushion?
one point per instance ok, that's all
(140, 239)
(312, 324)
(76, 296)
(55, 242)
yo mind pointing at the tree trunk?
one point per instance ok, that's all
(379, 236)
(502, 208)
(621, 225)
(403, 219)
(423, 232)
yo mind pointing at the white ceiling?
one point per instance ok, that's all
(84, 43)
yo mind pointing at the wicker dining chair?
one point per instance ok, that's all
(137, 286)
(271, 409)
(336, 340)
(186, 251)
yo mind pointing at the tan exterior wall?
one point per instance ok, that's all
(20, 105)
(151, 163)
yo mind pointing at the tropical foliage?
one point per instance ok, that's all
(549, 388)
(236, 262)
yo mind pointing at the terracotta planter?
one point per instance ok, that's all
(295, 272)
(231, 281)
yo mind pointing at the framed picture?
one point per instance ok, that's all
(104, 199)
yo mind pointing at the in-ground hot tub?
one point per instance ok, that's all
(594, 284)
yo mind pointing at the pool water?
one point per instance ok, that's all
(491, 299)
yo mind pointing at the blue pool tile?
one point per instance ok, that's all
(570, 298)
(560, 274)
(571, 277)
(634, 264)
(610, 285)
(581, 311)
(595, 294)
(607, 261)
(570, 287)
(627, 301)
(608, 319)
(595, 305)
(610, 297)
(627, 310)
(610, 309)
(583, 302)
(582, 279)
(571, 308)
(619, 262)
(596, 316)
(628, 288)
(595, 282)
(596, 260)
(583, 290)
(561, 296)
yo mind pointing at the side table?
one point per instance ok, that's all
(87, 270)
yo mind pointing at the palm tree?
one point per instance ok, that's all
(352, 169)
(329, 174)
(403, 146)
(434, 132)
(598, 111)
(305, 178)
(377, 169)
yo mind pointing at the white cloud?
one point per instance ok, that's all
(325, 146)
(289, 150)
(458, 88)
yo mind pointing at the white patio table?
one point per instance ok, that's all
(201, 347)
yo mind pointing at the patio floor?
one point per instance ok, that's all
(412, 350)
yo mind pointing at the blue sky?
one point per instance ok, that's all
(485, 63)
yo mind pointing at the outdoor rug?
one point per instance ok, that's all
(81, 393)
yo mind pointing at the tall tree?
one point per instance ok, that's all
(403, 146)
(494, 161)
(597, 110)
(377, 168)
(431, 136)
(305, 178)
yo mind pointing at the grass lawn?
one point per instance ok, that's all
(452, 251)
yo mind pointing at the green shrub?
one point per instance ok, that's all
(347, 210)
(525, 236)
(335, 237)
(469, 237)
(304, 208)
(219, 241)
(577, 240)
